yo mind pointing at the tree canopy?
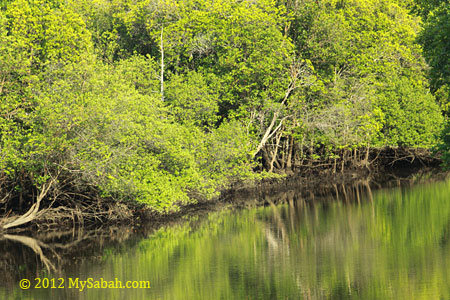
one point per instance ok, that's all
(165, 102)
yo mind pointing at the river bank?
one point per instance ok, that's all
(314, 178)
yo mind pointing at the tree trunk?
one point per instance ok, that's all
(275, 152)
(284, 154)
(289, 157)
(296, 70)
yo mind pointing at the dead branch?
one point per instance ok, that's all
(31, 214)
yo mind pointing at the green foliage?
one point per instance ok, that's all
(412, 116)
(422, 7)
(33, 36)
(240, 43)
(444, 146)
(192, 100)
(126, 143)
(435, 39)
(106, 21)
(371, 76)
(142, 72)
(80, 88)
(47, 31)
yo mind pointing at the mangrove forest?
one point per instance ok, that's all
(115, 109)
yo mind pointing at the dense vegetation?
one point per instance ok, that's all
(165, 102)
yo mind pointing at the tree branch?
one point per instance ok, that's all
(30, 215)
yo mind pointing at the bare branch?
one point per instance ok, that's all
(297, 71)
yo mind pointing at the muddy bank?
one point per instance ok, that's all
(313, 178)
(388, 166)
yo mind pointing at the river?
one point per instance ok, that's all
(354, 242)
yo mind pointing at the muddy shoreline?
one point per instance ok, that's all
(314, 179)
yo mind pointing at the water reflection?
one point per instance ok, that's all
(336, 242)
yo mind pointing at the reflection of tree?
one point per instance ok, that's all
(313, 243)
(36, 246)
(361, 235)
(50, 253)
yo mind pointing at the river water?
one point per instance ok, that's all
(353, 242)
